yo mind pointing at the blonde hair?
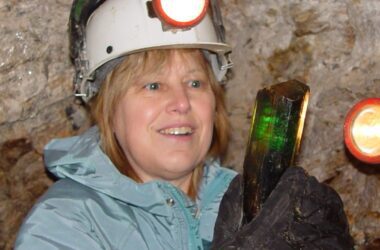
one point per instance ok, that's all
(111, 92)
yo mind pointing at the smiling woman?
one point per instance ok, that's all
(149, 171)
(148, 175)
(167, 103)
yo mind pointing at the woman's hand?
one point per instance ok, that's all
(300, 213)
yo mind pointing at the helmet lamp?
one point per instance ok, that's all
(181, 13)
(362, 130)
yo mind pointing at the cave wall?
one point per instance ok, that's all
(333, 46)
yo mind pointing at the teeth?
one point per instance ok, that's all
(177, 131)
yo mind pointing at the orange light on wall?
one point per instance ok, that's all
(362, 130)
(181, 13)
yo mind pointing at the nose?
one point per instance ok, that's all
(179, 100)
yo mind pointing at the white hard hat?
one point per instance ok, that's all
(102, 32)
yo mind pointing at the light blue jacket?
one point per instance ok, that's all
(93, 206)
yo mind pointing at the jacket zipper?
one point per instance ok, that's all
(194, 243)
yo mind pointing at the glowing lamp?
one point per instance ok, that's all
(181, 13)
(362, 130)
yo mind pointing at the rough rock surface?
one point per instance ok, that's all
(334, 46)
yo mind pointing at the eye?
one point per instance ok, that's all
(195, 84)
(152, 86)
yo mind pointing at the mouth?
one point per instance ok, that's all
(179, 131)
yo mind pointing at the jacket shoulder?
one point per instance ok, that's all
(67, 188)
(72, 216)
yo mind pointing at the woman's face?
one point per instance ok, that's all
(164, 122)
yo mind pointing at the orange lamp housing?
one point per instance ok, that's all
(362, 130)
(180, 13)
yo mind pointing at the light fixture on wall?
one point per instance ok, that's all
(362, 130)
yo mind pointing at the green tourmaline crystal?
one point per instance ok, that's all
(274, 139)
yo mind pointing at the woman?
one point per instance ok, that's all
(148, 175)
(156, 113)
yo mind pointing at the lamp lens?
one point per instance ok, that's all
(183, 10)
(366, 130)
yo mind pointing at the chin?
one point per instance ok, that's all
(180, 168)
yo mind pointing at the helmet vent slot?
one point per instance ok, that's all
(109, 49)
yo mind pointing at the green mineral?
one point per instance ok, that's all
(274, 139)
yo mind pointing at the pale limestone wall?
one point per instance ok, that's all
(332, 45)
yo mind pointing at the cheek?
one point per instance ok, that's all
(124, 120)
(133, 118)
